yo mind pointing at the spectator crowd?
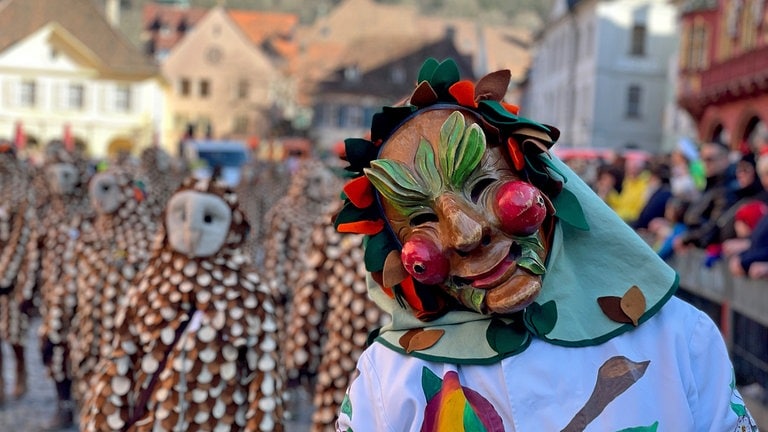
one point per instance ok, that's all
(708, 197)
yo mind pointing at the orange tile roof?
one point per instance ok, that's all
(260, 26)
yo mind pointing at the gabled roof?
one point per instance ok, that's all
(82, 20)
(272, 30)
(376, 70)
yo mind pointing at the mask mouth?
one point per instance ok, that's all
(496, 274)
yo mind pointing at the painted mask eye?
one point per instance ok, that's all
(520, 208)
(423, 259)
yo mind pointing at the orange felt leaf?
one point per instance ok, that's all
(405, 340)
(514, 109)
(368, 227)
(423, 340)
(464, 92)
(359, 192)
(517, 156)
(393, 272)
(409, 290)
(633, 304)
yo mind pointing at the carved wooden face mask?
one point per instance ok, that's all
(467, 223)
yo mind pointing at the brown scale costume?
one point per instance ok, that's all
(162, 175)
(196, 346)
(330, 318)
(16, 217)
(112, 248)
(262, 185)
(65, 204)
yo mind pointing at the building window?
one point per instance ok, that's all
(697, 54)
(352, 74)
(634, 94)
(76, 96)
(638, 40)
(185, 87)
(123, 98)
(205, 88)
(28, 95)
(350, 116)
(243, 87)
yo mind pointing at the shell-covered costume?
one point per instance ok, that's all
(16, 236)
(196, 345)
(110, 250)
(162, 175)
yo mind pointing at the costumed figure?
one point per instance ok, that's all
(196, 345)
(111, 249)
(163, 176)
(330, 318)
(16, 233)
(519, 300)
(65, 204)
(290, 223)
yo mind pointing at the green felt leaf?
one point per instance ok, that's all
(346, 406)
(446, 74)
(651, 428)
(541, 318)
(359, 153)
(376, 249)
(350, 213)
(739, 409)
(470, 419)
(427, 69)
(548, 162)
(430, 383)
(568, 209)
(506, 338)
(426, 168)
(395, 182)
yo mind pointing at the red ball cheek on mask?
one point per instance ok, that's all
(423, 259)
(520, 208)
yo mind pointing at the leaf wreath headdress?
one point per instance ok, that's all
(439, 86)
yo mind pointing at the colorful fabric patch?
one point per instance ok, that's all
(452, 407)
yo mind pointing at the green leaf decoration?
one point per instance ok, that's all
(350, 213)
(506, 338)
(395, 182)
(739, 409)
(551, 165)
(359, 153)
(427, 169)
(430, 383)
(446, 74)
(427, 69)
(651, 428)
(541, 318)
(346, 406)
(568, 209)
(470, 419)
(533, 251)
(461, 149)
(376, 249)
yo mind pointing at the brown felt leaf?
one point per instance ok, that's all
(394, 272)
(423, 95)
(534, 133)
(611, 306)
(405, 339)
(633, 304)
(423, 340)
(493, 86)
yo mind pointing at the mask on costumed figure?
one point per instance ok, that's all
(472, 227)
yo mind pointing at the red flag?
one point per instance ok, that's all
(20, 138)
(69, 141)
